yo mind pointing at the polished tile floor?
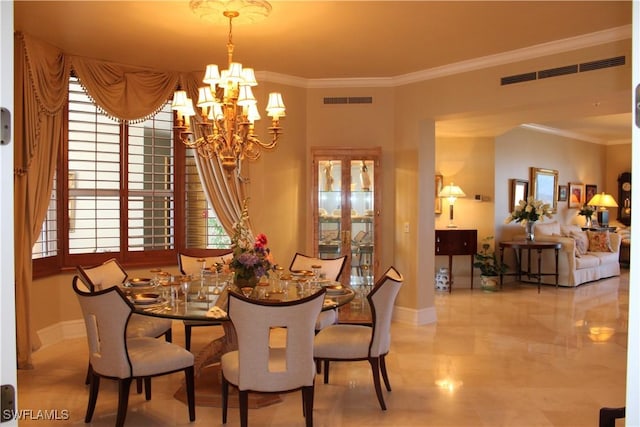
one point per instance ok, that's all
(510, 358)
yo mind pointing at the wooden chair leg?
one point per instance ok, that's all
(138, 385)
(123, 400)
(94, 386)
(168, 336)
(326, 371)
(225, 399)
(307, 403)
(243, 398)
(375, 369)
(147, 388)
(191, 396)
(187, 337)
(608, 416)
(318, 366)
(383, 369)
(87, 378)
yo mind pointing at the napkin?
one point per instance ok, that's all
(216, 312)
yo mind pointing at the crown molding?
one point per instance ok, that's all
(545, 49)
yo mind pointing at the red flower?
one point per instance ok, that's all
(261, 241)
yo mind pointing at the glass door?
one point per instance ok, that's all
(347, 210)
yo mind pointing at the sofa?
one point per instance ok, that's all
(585, 256)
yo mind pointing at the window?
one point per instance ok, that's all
(130, 192)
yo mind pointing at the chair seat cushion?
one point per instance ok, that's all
(277, 363)
(342, 342)
(150, 356)
(147, 326)
(326, 318)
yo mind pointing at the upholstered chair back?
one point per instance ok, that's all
(381, 300)
(330, 267)
(190, 265)
(265, 368)
(106, 313)
(103, 276)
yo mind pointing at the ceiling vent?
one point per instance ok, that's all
(562, 71)
(603, 63)
(349, 100)
(518, 78)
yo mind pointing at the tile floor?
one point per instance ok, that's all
(510, 358)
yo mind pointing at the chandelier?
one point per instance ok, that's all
(228, 109)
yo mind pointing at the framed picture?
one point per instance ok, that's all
(544, 186)
(590, 191)
(576, 195)
(562, 193)
(519, 191)
(438, 201)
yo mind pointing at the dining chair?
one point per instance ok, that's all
(345, 342)
(331, 268)
(114, 355)
(189, 265)
(111, 274)
(259, 365)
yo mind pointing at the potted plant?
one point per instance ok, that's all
(489, 265)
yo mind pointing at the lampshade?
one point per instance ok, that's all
(603, 200)
(451, 191)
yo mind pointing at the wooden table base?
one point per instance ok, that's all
(208, 391)
(208, 375)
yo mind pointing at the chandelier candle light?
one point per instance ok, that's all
(228, 112)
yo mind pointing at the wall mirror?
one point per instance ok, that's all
(519, 191)
(544, 186)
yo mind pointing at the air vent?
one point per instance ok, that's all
(519, 78)
(603, 63)
(349, 100)
(560, 71)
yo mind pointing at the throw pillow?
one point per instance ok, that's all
(547, 228)
(599, 241)
(582, 242)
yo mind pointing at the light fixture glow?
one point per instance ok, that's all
(451, 193)
(603, 201)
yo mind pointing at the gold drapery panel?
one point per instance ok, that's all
(123, 92)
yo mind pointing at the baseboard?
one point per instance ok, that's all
(415, 317)
(61, 331)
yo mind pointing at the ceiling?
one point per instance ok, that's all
(312, 40)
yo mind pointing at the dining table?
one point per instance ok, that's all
(188, 298)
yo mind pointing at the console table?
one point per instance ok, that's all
(527, 245)
(452, 242)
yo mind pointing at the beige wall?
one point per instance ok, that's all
(404, 121)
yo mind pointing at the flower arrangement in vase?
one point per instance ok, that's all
(587, 212)
(528, 212)
(252, 259)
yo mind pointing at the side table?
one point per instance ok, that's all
(527, 245)
(452, 242)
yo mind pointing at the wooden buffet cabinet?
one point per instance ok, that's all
(452, 242)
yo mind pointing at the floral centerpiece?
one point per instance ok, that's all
(586, 211)
(252, 258)
(528, 212)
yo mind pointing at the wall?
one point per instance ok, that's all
(618, 161)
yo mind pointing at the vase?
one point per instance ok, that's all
(489, 283)
(588, 223)
(529, 231)
(243, 282)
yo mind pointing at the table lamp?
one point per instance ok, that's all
(451, 192)
(603, 201)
